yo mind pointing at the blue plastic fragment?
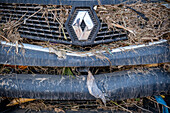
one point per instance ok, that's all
(160, 100)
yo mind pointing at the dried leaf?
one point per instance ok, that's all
(60, 54)
(19, 101)
(125, 28)
(93, 88)
(59, 110)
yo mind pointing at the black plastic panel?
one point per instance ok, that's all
(116, 86)
(159, 53)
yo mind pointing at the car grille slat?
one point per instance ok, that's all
(20, 14)
(107, 32)
(45, 39)
(43, 28)
(33, 18)
(109, 36)
(41, 25)
(47, 30)
(17, 11)
(41, 34)
(28, 6)
(52, 28)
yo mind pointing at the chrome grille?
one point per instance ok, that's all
(38, 28)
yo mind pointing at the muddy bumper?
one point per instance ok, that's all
(116, 86)
(32, 55)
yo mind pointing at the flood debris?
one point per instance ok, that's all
(19, 101)
(140, 14)
(130, 17)
(93, 88)
(40, 105)
(9, 32)
(129, 105)
(60, 54)
(144, 21)
(121, 107)
(74, 71)
(9, 29)
(166, 66)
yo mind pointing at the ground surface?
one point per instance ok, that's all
(140, 105)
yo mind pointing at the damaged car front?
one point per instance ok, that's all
(113, 50)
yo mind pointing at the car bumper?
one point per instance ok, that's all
(156, 52)
(116, 86)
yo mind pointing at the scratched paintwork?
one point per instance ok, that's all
(158, 53)
(116, 86)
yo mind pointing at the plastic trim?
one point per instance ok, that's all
(116, 86)
(31, 55)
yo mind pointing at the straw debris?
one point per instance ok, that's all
(144, 22)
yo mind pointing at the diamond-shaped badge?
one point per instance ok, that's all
(82, 25)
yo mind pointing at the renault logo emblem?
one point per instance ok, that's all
(82, 25)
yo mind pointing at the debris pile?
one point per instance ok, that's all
(9, 28)
(129, 105)
(145, 22)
